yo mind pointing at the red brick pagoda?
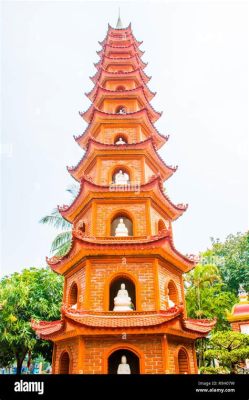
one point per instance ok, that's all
(123, 307)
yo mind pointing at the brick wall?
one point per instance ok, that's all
(71, 346)
(107, 166)
(155, 217)
(112, 84)
(235, 326)
(110, 105)
(101, 274)
(97, 348)
(165, 274)
(105, 211)
(107, 135)
(78, 277)
(172, 348)
(148, 347)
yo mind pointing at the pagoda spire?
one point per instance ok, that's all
(119, 22)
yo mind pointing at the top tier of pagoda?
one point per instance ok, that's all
(120, 77)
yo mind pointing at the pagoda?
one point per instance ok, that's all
(239, 316)
(123, 305)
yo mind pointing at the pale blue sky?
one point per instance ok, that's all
(198, 59)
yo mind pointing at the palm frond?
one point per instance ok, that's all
(63, 250)
(62, 239)
(73, 190)
(56, 220)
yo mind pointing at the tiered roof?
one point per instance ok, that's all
(100, 323)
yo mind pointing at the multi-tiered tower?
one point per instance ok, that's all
(122, 234)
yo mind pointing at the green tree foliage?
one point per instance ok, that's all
(232, 259)
(229, 348)
(62, 242)
(32, 294)
(206, 295)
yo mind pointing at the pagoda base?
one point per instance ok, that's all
(145, 354)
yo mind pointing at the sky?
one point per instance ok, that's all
(198, 59)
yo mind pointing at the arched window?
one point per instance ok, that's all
(172, 294)
(121, 225)
(120, 139)
(121, 176)
(122, 294)
(64, 363)
(123, 361)
(81, 226)
(183, 362)
(161, 225)
(120, 88)
(73, 296)
(121, 110)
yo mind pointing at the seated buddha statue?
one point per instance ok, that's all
(123, 367)
(121, 229)
(120, 141)
(121, 178)
(122, 302)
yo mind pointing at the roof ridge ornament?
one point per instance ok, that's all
(119, 22)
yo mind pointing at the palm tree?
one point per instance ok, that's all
(202, 276)
(62, 242)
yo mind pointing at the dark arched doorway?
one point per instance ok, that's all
(183, 363)
(115, 359)
(64, 363)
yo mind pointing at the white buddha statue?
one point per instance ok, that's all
(122, 111)
(120, 141)
(122, 302)
(124, 368)
(121, 178)
(170, 303)
(74, 306)
(121, 229)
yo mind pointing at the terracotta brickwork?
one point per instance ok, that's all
(155, 218)
(104, 213)
(79, 278)
(165, 275)
(235, 326)
(111, 85)
(107, 135)
(133, 167)
(173, 347)
(102, 274)
(72, 348)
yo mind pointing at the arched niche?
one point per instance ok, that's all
(120, 109)
(120, 138)
(120, 88)
(121, 176)
(115, 286)
(114, 360)
(183, 361)
(172, 292)
(73, 296)
(161, 225)
(64, 363)
(117, 221)
(81, 226)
